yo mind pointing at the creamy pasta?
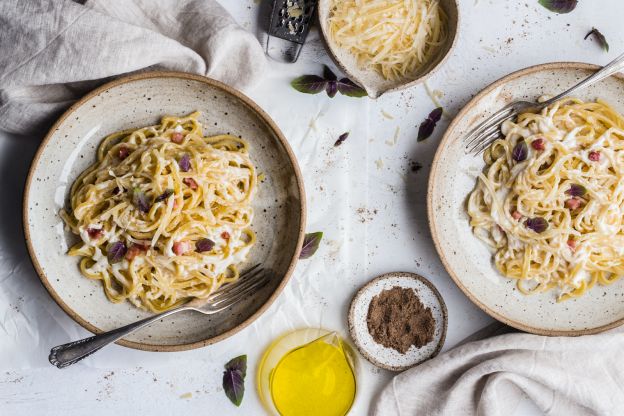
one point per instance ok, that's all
(164, 214)
(550, 201)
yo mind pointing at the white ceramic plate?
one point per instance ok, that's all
(389, 358)
(134, 102)
(466, 258)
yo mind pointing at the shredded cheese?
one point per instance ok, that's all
(393, 37)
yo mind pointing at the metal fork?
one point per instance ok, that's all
(480, 137)
(67, 354)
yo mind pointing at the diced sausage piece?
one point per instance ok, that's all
(181, 247)
(538, 144)
(594, 156)
(573, 203)
(123, 152)
(95, 233)
(177, 138)
(190, 182)
(135, 250)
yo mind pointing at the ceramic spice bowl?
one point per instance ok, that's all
(375, 84)
(389, 358)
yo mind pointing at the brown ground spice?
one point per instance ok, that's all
(397, 319)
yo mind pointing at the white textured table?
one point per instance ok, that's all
(363, 195)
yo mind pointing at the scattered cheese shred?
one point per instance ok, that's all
(387, 115)
(435, 95)
(294, 10)
(394, 37)
(395, 139)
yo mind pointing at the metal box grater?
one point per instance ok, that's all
(291, 21)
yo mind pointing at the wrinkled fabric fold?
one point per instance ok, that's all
(561, 375)
(54, 51)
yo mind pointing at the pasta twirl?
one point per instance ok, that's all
(550, 201)
(164, 214)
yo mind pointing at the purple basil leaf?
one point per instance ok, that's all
(310, 244)
(205, 244)
(559, 6)
(239, 364)
(328, 74)
(332, 88)
(576, 190)
(116, 252)
(428, 125)
(309, 84)
(185, 163)
(537, 224)
(600, 38)
(348, 88)
(234, 386)
(164, 195)
(341, 139)
(520, 151)
(139, 199)
(234, 379)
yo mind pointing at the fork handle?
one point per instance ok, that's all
(67, 354)
(611, 68)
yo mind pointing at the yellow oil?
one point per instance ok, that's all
(316, 379)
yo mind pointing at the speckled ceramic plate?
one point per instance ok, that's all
(373, 82)
(134, 102)
(466, 258)
(389, 358)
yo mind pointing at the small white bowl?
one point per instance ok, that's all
(389, 358)
(375, 84)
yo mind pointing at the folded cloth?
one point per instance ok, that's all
(54, 51)
(561, 375)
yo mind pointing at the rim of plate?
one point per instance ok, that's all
(272, 127)
(430, 212)
(409, 83)
(351, 317)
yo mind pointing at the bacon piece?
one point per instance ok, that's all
(135, 249)
(516, 215)
(572, 244)
(177, 138)
(538, 144)
(225, 235)
(95, 233)
(594, 156)
(123, 152)
(181, 247)
(190, 182)
(573, 203)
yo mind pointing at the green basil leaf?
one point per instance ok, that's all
(310, 244)
(559, 6)
(309, 84)
(600, 38)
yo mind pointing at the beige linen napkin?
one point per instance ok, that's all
(562, 376)
(54, 51)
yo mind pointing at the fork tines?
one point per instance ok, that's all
(479, 138)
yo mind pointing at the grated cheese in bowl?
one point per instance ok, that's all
(392, 37)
